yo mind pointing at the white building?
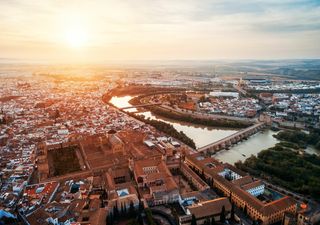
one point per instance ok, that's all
(224, 94)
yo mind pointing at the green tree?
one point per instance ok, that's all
(141, 207)
(122, 210)
(193, 220)
(149, 216)
(213, 221)
(232, 211)
(131, 209)
(110, 219)
(115, 212)
(140, 219)
(223, 215)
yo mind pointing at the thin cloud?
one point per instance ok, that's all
(200, 29)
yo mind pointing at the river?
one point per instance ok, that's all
(203, 135)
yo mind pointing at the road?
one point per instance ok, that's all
(208, 116)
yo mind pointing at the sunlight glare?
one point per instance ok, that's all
(76, 37)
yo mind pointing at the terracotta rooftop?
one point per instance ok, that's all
(159, 164)
(252, 185)
(243, 180)
(251, 200)
(211, 207)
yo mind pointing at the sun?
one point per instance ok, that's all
(76, 37)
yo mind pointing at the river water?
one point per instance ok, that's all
(203, 135)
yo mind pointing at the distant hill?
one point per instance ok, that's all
(304, 69)
(307, 74)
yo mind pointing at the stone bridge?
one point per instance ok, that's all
(232, 139)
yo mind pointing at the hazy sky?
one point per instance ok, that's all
(98, 30)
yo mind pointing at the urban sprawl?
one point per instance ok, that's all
(70, 157)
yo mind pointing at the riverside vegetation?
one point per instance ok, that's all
(166, 128)
(190, 119)
(272, 164)
(300, 138)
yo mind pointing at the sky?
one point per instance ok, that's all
(101, 30)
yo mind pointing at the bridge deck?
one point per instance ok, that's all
(221, 141)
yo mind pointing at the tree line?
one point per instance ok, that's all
(201, 121)
(302, 139)
(166, 128)
(132, 215)
(272, 164)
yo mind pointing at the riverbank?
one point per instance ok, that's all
(272, 165)
(291, 152)
(138, 90)
(166, 128)
(189, 118)
(196, 119)
(161, 126)
(300, 138)
(203, 135)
